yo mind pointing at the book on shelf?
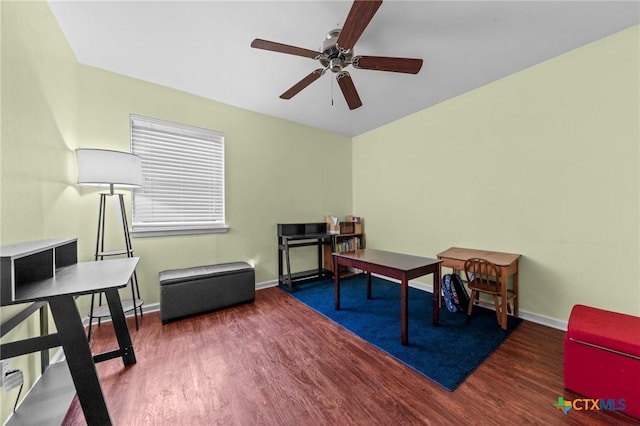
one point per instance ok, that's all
(350, 244)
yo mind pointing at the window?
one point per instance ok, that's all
(183, 175)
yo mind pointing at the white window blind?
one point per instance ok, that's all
(183, 177)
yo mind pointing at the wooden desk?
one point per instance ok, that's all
(393, 265)
(455, 257)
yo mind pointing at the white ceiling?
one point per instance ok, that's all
(204, 48)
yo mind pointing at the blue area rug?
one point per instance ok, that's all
(446, 354)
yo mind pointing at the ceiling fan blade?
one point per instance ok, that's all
(348, 90)
(296, 88)
(359, 16)
(383, 63)
(283, 48)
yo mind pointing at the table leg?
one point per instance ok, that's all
(320, 242)
(44, 330)
(120, 326)
(436, 296)
(503, 294)
(288, 259)
(368, 281)
(78, 355)
(517, 296)
(404, 310)
(336, 282)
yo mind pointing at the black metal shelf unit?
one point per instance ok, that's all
(291, 235)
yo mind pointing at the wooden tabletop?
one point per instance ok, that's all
(459, 253)
(388, 259)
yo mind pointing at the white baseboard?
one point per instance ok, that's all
(147, 308)
(266, 284)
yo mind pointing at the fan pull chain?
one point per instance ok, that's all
(331, 90)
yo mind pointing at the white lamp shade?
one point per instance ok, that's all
(99, 167)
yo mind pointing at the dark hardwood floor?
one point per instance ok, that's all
(277, 362)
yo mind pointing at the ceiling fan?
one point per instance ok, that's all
(336, 53)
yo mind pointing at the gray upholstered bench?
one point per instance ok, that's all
(191, 291)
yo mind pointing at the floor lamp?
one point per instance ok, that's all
(101, 167)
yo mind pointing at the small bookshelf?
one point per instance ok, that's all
(350, 238)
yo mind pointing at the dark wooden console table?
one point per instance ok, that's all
(292, 235)
(402, 267)
(48, 271)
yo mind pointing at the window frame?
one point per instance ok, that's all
(163, 228)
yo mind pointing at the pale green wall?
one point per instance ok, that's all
(544, 163)
(37, 163)
(276, 171)
(39, 125)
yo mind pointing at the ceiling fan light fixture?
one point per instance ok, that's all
(336, 65)
(328, 45)
(331, 57)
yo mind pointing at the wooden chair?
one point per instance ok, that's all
(483, 276)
